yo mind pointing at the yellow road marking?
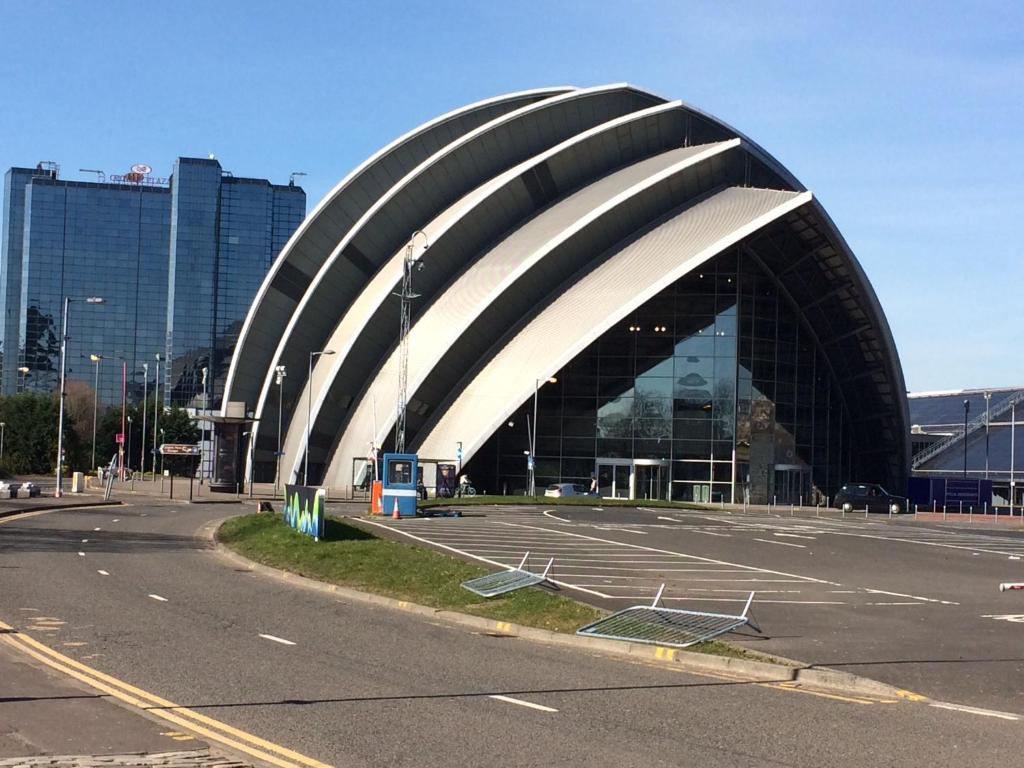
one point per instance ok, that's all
(76, 644)
(177, 735)
(158, 706)
(503, 626)
(911, 696)
(668, 654)
(796, 688)
(23, 515)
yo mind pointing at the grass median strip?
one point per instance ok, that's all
(351, 557)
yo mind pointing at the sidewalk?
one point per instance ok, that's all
(47, 719)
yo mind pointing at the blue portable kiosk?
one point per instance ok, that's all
(399, 480)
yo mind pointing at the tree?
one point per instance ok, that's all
(30, 433)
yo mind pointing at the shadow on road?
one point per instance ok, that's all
(17, 539)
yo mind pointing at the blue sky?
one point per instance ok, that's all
(904, 118)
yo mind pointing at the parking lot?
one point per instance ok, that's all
(914, 604)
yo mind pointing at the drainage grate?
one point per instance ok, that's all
(506, 581)
(672, 627)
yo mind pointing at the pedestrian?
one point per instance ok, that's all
(593, 484)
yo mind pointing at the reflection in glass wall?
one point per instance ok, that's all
(711, 391)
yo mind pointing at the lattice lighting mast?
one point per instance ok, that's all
(406, 296)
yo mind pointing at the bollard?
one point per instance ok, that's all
(943, 511)
(985, 509)
(961, 506)
(915, 511)
(933, 507)
(970, 513)
(791, 509)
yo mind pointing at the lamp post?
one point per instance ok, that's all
(145, 412)
(280, 372)
(63, 376)
(532, 464)
(96, 359)
(156, 415)
(406, 297)
(3, 426)
(1013, 445)
(23, 370)
(988, 396)
(967, 410)
(202, 439)
(309, 409)
(128, 448)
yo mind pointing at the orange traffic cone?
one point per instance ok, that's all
(395, 515)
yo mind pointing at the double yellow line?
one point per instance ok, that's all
(190, 721)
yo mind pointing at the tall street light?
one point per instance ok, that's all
(309, 409)
(988, 396)
(96, 359)
(532, 464)
(63, 376)
(967, 409)
(3, 426)
(156, 415)
(24, 371)
(280, 371)
(202, 440)
(145, 412)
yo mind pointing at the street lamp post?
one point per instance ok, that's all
(128, 450)
(532, 464)
(145, 413)
(63, 376)
(309, 409)
(988, 396)
(96, 359)
(967, 410)
(281, 372)
(202, 439)
(3, 426)
(24, 371)
(156, 417)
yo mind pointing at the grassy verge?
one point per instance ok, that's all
(579, 501)
(352, 557)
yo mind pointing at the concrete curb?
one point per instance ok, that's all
(744, 670)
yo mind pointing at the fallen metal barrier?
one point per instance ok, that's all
(673, 627)
(507, 581)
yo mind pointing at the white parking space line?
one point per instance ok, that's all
(522, 703)
(159, 598)
(795, 536)
(276, 639)
(549, 513)
(102, 573)
(782, 543)
(81, 554)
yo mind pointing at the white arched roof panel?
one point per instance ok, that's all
(310, 244)
(467, 297)
(591, 305)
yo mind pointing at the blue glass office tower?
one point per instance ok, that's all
(177, 263)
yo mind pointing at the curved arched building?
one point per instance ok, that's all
(709, 332)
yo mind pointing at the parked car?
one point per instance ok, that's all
(854, 497)
(565, 489)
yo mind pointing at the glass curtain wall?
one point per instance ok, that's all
(711, 391)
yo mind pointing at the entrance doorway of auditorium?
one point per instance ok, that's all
(632, 479)
(792, 484)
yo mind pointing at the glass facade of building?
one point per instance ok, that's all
(177, 267)
(713, 390)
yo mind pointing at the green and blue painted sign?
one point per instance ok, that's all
(304, 509)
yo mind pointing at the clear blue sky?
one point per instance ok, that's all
(904, 118)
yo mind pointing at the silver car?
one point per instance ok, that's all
(565, 489)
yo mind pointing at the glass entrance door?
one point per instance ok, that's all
(650, 479)
(615, 479)
(792, 484)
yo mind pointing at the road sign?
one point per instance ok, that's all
(458, 453)
(120, 438)
(179, 449)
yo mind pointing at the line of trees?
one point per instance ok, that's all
(30, 432)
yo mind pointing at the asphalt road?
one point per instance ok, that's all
(143, 598)
(915, 605)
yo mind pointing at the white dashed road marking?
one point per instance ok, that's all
(280, 640)
(102, 573)
(161, 599)
(782, 543)
(522, 703)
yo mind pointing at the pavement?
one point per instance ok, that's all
(136, 594)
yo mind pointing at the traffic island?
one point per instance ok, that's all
(577, 501)
(351, 557)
